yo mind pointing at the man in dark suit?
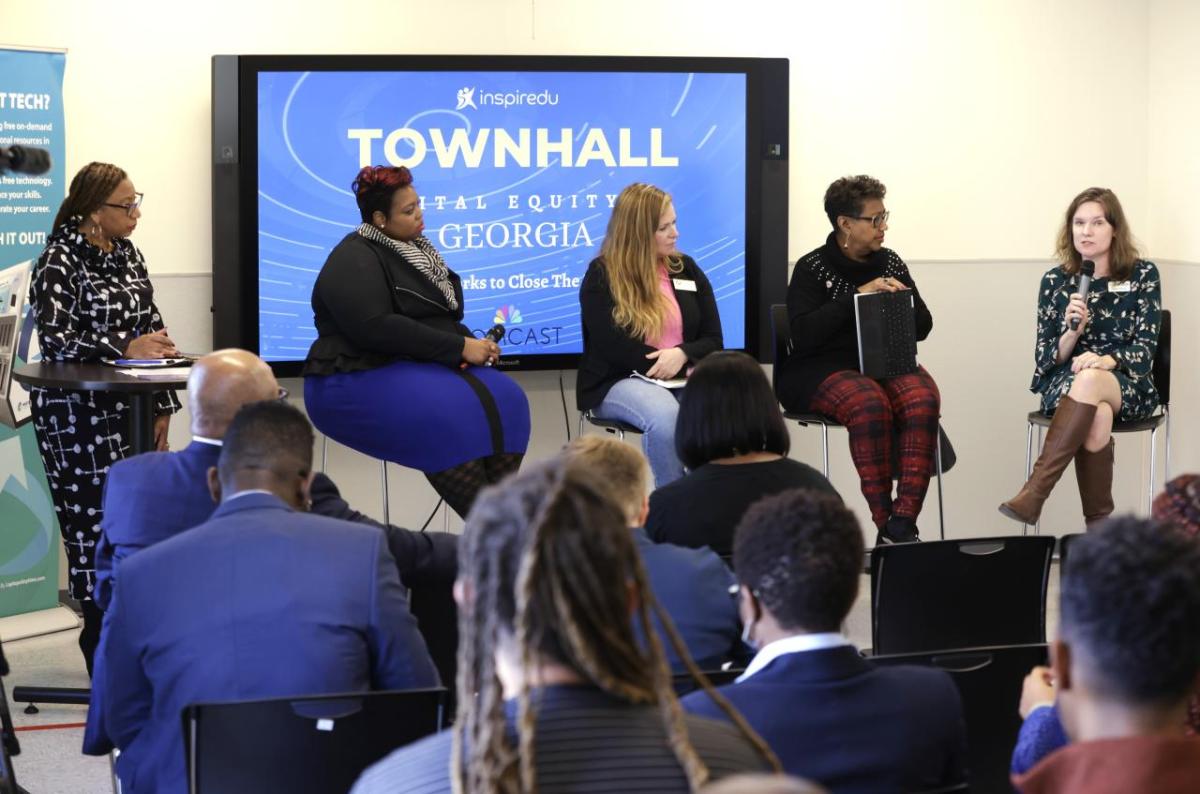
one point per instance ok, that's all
(262, 600)
(830, 715)
(158, 495)
(693, 585)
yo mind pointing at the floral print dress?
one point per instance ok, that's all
(1123, 322)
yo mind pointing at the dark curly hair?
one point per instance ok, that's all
(374, 187)
(847, 195)
(271, 435)
(1130, 609)
(801, 554)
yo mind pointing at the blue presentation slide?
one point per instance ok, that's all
(517, 172)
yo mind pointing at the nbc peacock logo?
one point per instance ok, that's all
(508, 315)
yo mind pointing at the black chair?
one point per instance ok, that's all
(781, 342)
(989, 683)
(1064, 546)
(684, 683)
(1161, 373)
(959, 593)
(314, 744)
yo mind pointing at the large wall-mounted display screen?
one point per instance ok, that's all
(517, 164)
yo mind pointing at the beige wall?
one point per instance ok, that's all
(984, 117)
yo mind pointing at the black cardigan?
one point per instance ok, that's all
(610, 353)
(372, 307)
(820, 303)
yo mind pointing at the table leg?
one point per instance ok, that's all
(141, 418)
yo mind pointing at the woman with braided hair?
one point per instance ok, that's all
(92, 299)
(556, 693)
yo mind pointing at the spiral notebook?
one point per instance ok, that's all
(887, 333)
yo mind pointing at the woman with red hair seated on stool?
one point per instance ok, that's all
(394, 373)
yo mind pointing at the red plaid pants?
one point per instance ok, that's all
(878, 413)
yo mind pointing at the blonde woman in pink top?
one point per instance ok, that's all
(646, 309)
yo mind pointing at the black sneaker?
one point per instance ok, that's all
(900, 529)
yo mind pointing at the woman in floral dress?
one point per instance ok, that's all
(1094, 355)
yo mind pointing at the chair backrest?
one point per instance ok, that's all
(989, 683)
(1162, 360)
(959, 593)
(1064, 546)
(781, 337)
(301, 744)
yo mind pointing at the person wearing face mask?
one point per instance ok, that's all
(1094, 357)
(829, 714)
(92, 299)
(393, 372)
(648, 310)
(821, 374)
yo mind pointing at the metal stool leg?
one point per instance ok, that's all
(937, 456)
(1167, 461)
(1037, 528)
(1028, 462)
(825, 449)
(324, 453)
(383, 477)
(581, 415)
(1153, 460)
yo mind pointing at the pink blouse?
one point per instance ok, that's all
(672, 330)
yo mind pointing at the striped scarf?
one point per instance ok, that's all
(421, 254)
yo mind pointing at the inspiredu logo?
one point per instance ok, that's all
(508, 315)
(466, 98)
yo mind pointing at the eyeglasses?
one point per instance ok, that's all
(876, 220)
(131, 206)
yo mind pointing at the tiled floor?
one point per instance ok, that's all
(51, 763)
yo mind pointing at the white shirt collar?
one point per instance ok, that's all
(231, 497)
(216, 442)
(797, 643)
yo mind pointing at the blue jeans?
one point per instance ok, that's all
(651, 409)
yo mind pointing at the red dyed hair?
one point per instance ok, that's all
(374, 187)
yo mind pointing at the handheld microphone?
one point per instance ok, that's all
(24, 160)
(495, 333)
(1086, 270)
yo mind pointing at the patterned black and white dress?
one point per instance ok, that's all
(89, 304)
(1124, 319)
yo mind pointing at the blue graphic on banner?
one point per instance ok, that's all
(517, 172)
(31, 115)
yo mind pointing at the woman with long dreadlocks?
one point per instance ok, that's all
(555, 692)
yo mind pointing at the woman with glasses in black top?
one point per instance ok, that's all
(821, 375)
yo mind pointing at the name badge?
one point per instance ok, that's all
(687, 285)
(1124, 286)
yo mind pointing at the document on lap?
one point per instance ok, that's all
(672, 383)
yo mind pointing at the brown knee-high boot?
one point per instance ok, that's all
(1094, 471)
(1067, 432)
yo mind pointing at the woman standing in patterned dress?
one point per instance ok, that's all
(92, 299)
(1100, 369)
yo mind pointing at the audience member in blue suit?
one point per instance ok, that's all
(692, 585)
(262, 600)
(830, 715)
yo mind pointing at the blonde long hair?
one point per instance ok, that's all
(629, 258)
